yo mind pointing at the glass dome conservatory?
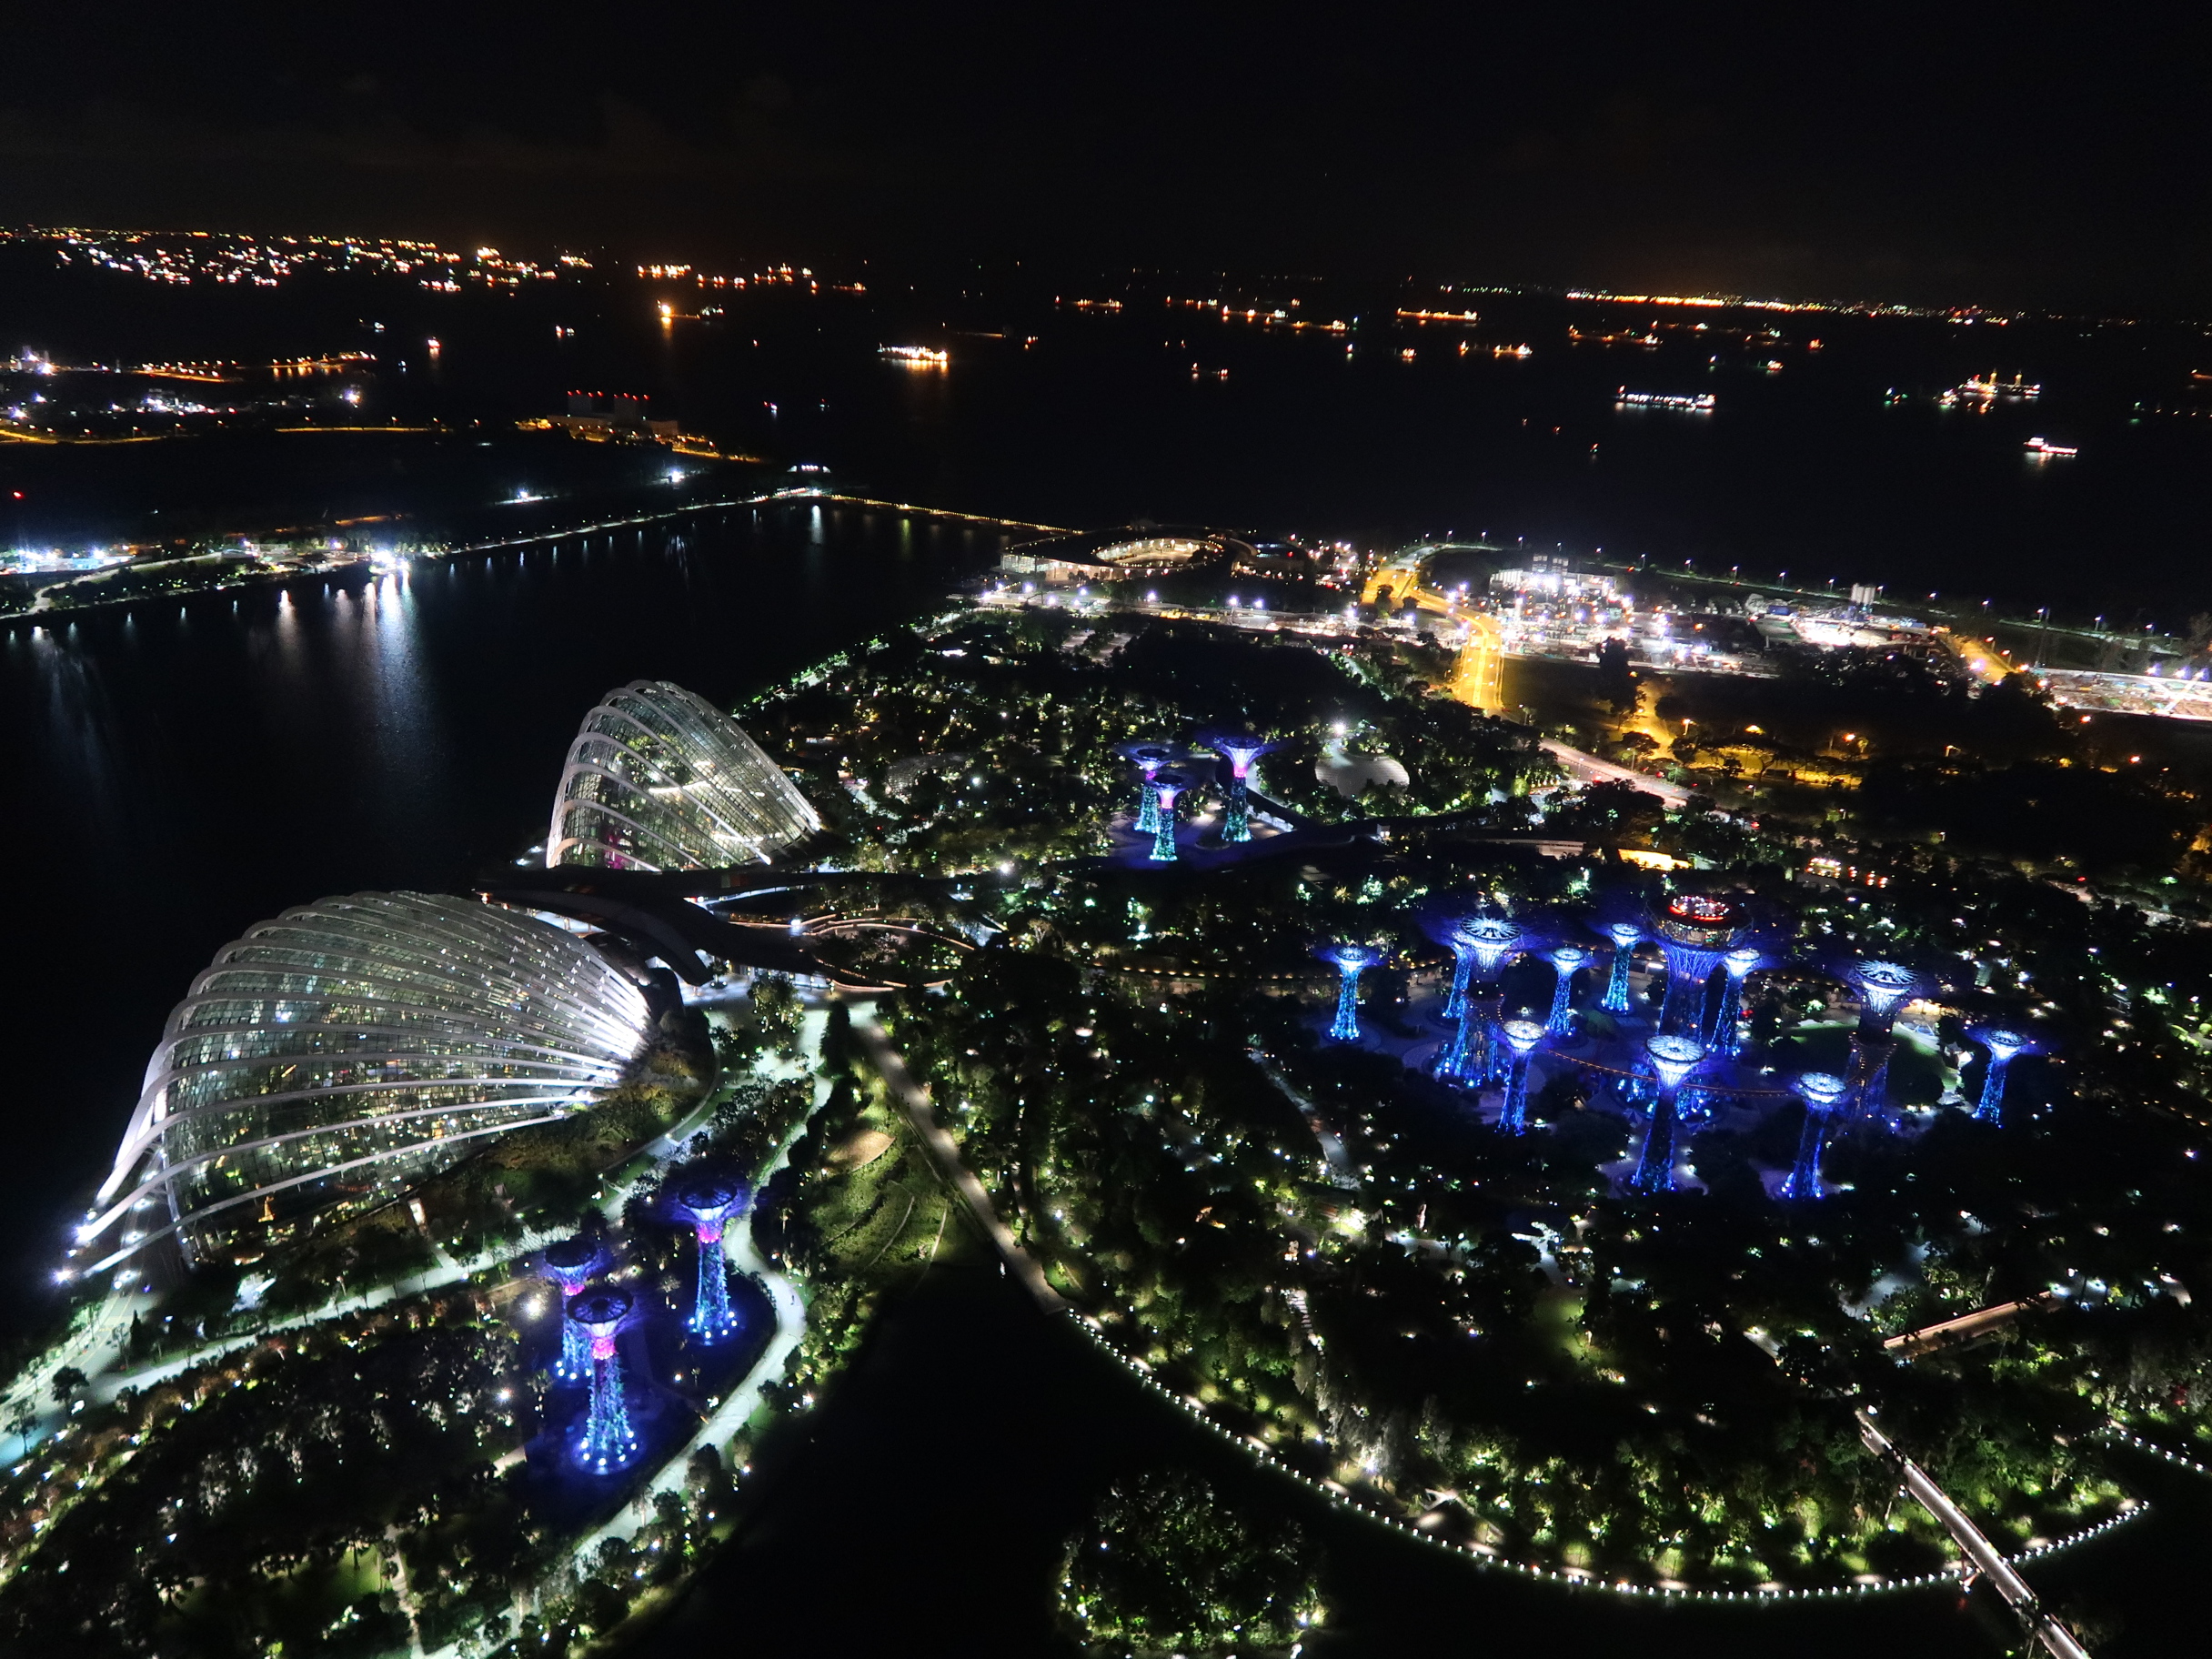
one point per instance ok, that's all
(658, 778)
(335, 1056)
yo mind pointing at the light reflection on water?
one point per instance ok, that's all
(178, 773)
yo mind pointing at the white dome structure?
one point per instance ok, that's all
(658, 779)
(340, 1054)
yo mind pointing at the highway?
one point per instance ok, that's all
(1586, 767)
(1478, 678)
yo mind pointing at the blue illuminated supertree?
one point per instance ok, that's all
(1240, 749)
(1567, 961)
(1673, 1059)
(1351, 961)
(610, 1440)
(1625, 936)
(1822, 1093)
(570, 1265)
(1884, 988)
(1150, 758)
(1522, 1038)
(1695, 932)
(706, 1202)
(1489, 941)
(1738, 964)
(2002, 1042)
(1166, 787)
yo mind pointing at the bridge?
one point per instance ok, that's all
(857, 947)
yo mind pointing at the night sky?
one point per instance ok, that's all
(2008, 156)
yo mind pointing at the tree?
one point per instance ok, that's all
(1168, 1562)
(1616, 682)
(68, 1382)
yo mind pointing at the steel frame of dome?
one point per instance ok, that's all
(378, 1032)
(658, 778)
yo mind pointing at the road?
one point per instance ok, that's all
(1478, 678)
(1586, 767)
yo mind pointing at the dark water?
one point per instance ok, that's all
(1089, 419)
(178, 772)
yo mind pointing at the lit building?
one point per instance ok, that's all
(658, 778)
(1121, 555)
(343, 1053)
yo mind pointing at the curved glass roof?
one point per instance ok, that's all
(339, 1054)
(658, 778)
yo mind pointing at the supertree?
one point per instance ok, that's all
(1884, 988)
(706, 1202)
(1822, 1093)
(1625, 936)
(1350, 961)
(1522, 1038)
(1150, 758)
(1695, 932)
(1489, 941)
(1673, 1059)
(2002, 1042)
(570, 1265)
(1166, 787)
(609, 1439)
(1240, 749)
(1566, 960)
(1738, 964)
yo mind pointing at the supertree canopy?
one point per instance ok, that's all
(1350, 961)
(1822, 1092)
(1673, 1059)
(1167, 787)
(1738, 964)
(708, 1203)
(1625, 936)
(2002, 1042)
(1884, 988)
(1695, 933)
(1240, 749)
(570, 1265)
(1566, 960)
(1488, 940)
(609, 1439)
(1150, 758)
(1522, 1038)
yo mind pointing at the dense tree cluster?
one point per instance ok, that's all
(1167, 1564)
